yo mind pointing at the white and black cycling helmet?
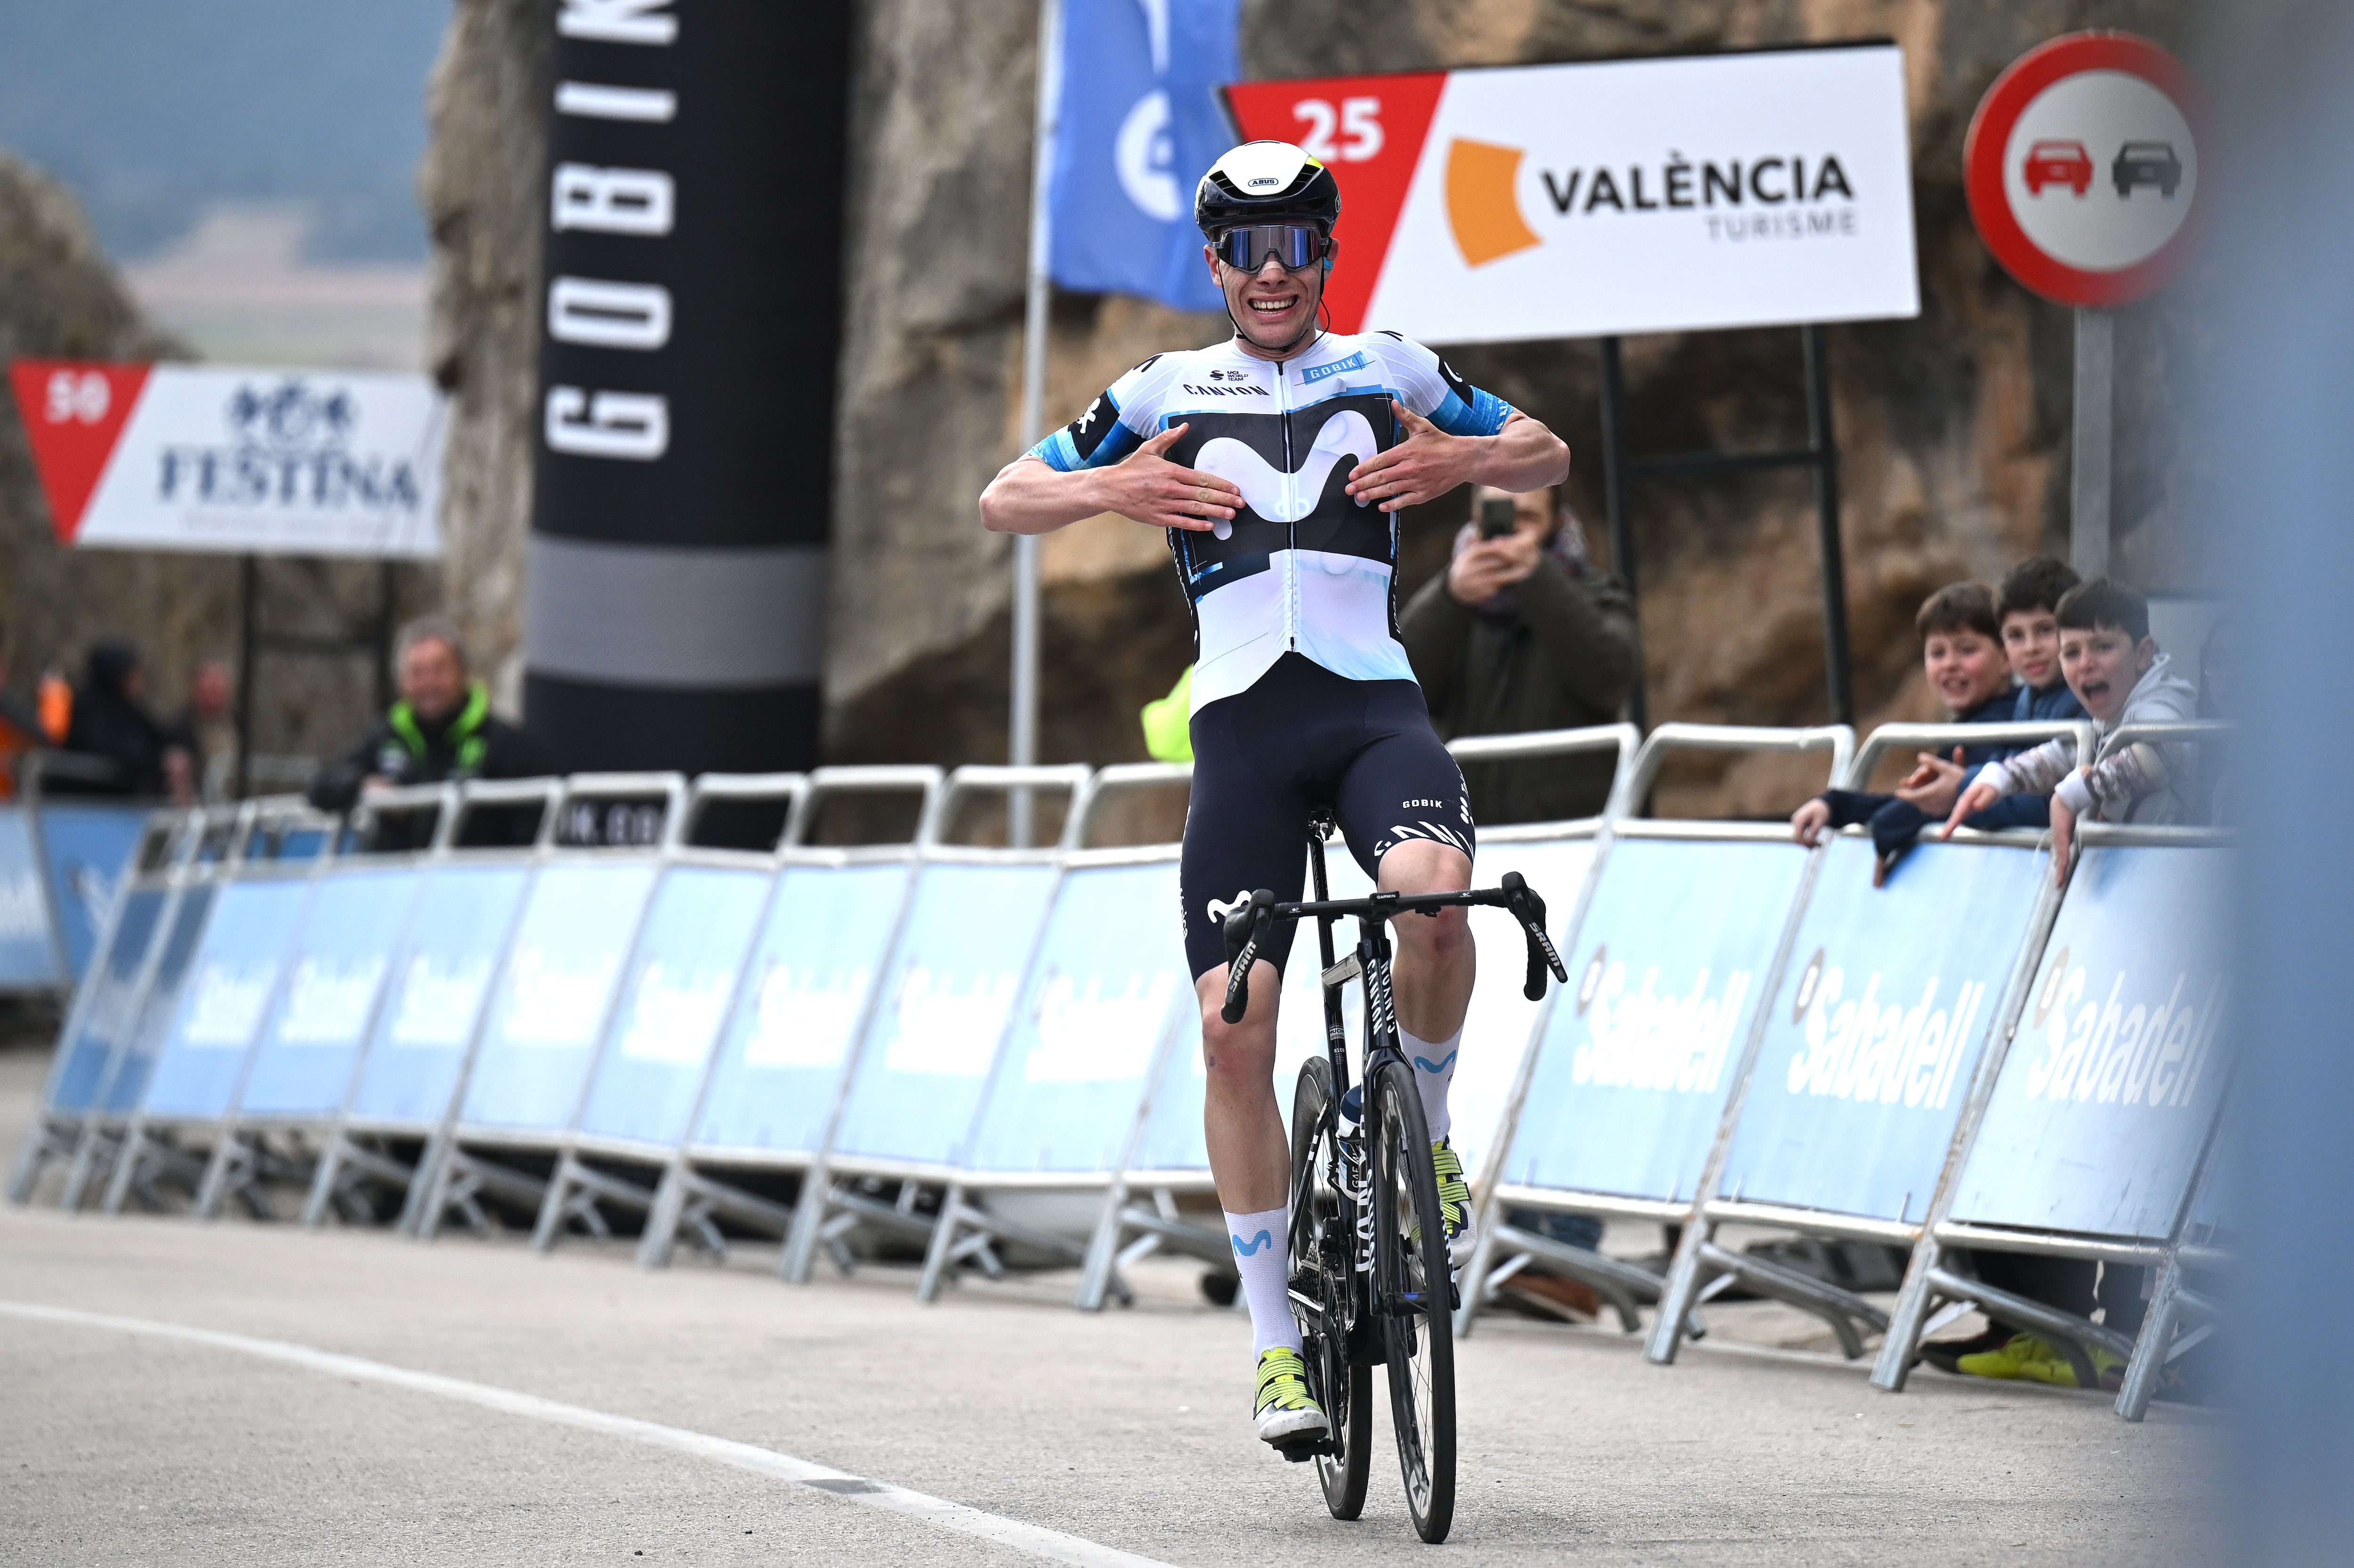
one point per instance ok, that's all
(1265, 183)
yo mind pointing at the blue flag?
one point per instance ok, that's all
(1140, 124)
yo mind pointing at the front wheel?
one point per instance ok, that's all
(1414, 1299)
(1320, 1263)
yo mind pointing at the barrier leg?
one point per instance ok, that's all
(1683, 1284)
(322, 1181)
(423, 1186)
(808, 1217)
(126, 1169)
(661, 1235)
(944, 1235)
(2156, 1337)
(1095, 1270)
(551, 1207)
(49, 1142)
(1474, 1276)
(228, 1152)
(1913, 1299)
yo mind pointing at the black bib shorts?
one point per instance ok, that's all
(1264, 760)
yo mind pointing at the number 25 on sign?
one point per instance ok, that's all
(1357, 121)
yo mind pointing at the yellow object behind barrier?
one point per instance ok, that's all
(1167, 736)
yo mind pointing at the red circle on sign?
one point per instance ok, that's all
(1989, 137)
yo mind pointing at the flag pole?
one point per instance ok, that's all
(1022, 741)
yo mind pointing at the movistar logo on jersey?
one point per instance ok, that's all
(1319, 372)
(1344, 434)
(1245, 1248)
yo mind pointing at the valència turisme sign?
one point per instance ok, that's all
(1744, 189)
(185, 457)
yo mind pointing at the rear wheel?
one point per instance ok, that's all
(1320, 1263)
(1414, 1299)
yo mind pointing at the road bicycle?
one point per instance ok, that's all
(1370, 1284)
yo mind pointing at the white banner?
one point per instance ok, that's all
(1624, 196)
(185, 456)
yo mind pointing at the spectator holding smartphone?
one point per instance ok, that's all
(1521, 632)
(2118, 671)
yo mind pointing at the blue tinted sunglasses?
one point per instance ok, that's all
(1295, 244)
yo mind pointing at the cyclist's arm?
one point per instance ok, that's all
(1028, 496)
(1451, 434)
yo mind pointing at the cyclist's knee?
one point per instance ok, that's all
(1239, 1055)
(1441, 938)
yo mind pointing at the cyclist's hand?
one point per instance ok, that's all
(1149, 489)
(1423, 467)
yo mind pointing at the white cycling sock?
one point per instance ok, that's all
(1261, 1256)
(1433, 1069)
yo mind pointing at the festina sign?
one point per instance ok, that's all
(1628, 195)
(186, 457)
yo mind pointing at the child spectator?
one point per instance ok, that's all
(1961, 649)
(2029, 605)
(2117, 671)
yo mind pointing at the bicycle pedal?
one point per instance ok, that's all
(1299, 1450)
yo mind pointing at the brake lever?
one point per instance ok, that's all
(1529, 908)
(1247, 924)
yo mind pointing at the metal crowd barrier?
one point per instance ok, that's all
(1863, 1039)
(941, 1042)
(536, 1035)
(808, 986)
(933, 1032)
(62, 862)
(1625, 1095)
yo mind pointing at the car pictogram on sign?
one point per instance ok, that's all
(2146, 163)
(2059, 164)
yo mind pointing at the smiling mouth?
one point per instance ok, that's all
(1273, 307)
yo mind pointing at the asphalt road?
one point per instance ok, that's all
(121, 1445)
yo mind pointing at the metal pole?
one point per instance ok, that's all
(1614, 478)
(2088, 521)
(247, 649)
(1823, 442)
(1022, 741)
(385, 601)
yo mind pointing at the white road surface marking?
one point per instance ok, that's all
(1050, 1544)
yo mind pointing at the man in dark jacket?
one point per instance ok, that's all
(442, 728)
(1521, 632)
(120, 747)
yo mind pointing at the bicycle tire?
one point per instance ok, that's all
(1413, 1298)
(1318, 1248)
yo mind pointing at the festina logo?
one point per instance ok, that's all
(288, 445)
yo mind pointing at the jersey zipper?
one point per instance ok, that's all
(1290, 505)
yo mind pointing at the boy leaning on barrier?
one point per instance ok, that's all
(2116, 669)
(1961, 653)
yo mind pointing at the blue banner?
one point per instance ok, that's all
(88, 850)
(820, 953)
(1108, 982)
(2121, 1058)
(943, 1010)
(1638, 1052)
(233, 977)
(108, 1007)
(1876, 1028)
(550, 1004)
(1140, 124)
(335, 974)
(127, 1088)
(1497, 1029)
(28, 953)
(674, 1000)
(434, 1000)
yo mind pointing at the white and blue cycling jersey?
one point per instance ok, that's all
(1303, 566)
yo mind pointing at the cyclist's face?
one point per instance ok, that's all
(1273, 308)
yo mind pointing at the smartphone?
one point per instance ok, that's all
(1495, 516)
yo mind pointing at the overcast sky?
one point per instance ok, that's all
(155, 110)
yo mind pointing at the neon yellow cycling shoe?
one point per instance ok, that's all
(2010, 1361)
(1454, 1203)
(1286, 1411)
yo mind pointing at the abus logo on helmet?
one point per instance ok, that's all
(288, 445)
(1740, 198)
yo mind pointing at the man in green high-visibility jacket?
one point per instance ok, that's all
(442, 728)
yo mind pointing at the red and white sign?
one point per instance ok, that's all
(2083, 168)
(188, 457)
(1622, 197)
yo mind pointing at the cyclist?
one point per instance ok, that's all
(1277, 461)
